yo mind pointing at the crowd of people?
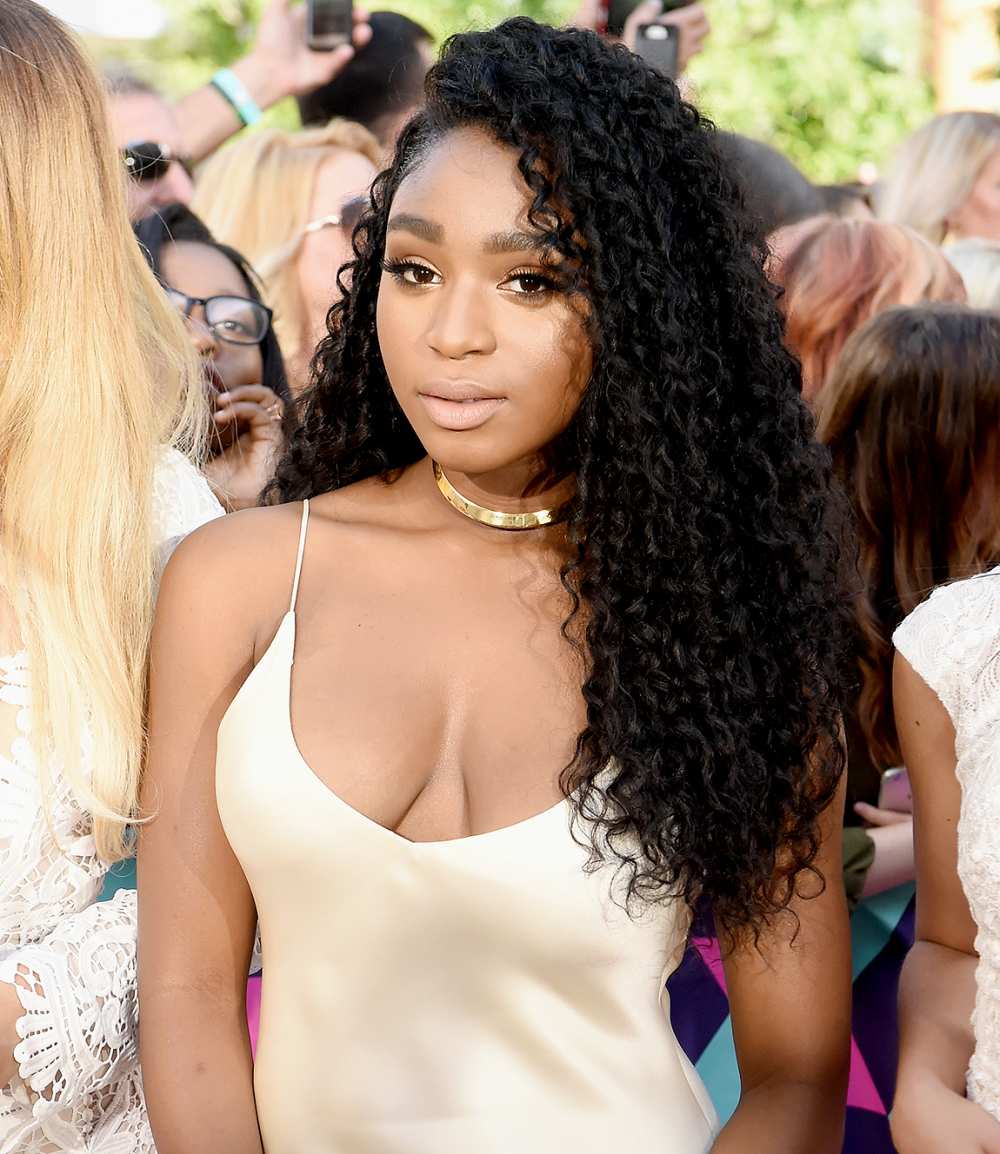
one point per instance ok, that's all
(515, 567)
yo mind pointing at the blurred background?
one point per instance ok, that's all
(833, 84)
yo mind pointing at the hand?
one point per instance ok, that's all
(280, 64)
(936, 1120)
(239, 473)
(10, 1011)
(691, 22)
(875, 816)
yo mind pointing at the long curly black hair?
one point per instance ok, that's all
(704, 542)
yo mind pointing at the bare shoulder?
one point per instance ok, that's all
(235, 572)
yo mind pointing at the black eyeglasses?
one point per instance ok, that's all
(147, 160)
(236, 320)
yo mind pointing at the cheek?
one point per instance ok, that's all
(557, 361)
(240, 365)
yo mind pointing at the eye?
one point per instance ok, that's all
(530, 283)
(411, 273)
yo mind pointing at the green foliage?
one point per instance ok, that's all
(831, 83)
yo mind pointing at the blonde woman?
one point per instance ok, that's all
(289, 202)
(978, 264)
(96, 377)
(945, 182)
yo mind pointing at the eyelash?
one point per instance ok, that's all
(397, 269)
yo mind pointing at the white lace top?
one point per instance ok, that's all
(79, 1088)
(953, 642)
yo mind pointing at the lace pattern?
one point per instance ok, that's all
(70, 958)
(953, 642)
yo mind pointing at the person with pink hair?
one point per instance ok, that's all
(836, 274)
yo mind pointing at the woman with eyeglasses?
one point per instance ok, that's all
(289, 202)
(214, 288)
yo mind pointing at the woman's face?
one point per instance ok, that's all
(198, 270)
(980, 215)
(343, 178)
(487, 358)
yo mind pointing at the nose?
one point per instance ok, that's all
(173, 188)
(202, 336)
(462, 324)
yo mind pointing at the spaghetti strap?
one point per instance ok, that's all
(298, 560)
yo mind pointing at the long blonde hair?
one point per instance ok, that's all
(935, 171)
(96, 373)
(256, 194)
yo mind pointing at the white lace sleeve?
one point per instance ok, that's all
(182, 501)
(78, 1031)
(945, 637)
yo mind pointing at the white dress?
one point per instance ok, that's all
(79, 1088)
(953, 641)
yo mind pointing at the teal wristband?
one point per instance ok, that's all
(234, 91)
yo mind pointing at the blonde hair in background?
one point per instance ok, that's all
(978, 264)
(935, 170)
(256, 194)
(96, 373)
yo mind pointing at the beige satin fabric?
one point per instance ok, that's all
(471, 996)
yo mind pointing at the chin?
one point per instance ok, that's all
(471, 451)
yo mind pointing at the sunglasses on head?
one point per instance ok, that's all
(146, 160)
(347, 219)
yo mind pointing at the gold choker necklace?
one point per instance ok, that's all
(491, 517)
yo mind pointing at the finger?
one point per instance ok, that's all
(360, 15)
(362, 35)
(875, 816)
(243, 413)
(260, 394)
(647, 13)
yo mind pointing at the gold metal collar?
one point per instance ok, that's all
(492, 517)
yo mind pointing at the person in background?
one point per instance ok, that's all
(216, 290)
(850, 200)
(289, 202)
(947, 709)
(911, 415)
(101, 404)
(382, 86)
(945, 180)
(776, 191)
(161, 141)
(978, 263)
(835, 274)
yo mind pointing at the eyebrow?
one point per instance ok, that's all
(498, 242)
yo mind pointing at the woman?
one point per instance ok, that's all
(910, 416)
(546, 694)
(837, 273)
(948, 717)
(215, 289)
(96, 377)
(289, 202)
(945, 181)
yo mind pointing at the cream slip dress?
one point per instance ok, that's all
(471, 996)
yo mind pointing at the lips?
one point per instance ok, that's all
(459, 405)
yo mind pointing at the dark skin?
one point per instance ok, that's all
(420, 634)
(247, 415)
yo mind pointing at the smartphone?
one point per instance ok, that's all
(329, 23)
(618, 11)
(658, 44)
(894, 792)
